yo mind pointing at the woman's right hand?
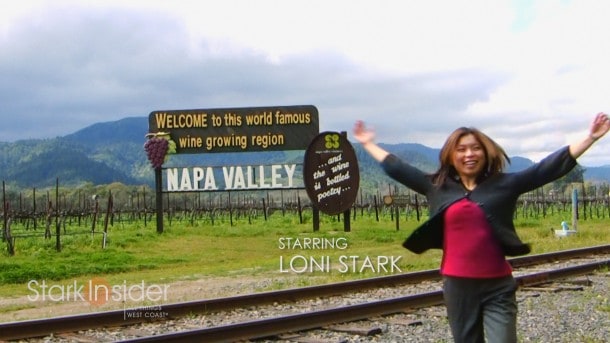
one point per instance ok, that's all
(366, 137)
(362, 134)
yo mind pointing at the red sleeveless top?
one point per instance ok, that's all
(470, 249)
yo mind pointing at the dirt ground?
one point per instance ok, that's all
(33, 306)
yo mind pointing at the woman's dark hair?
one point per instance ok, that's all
(496, 158)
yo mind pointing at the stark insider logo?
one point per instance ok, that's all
(97, 292)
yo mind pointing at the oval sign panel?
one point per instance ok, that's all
(330, 173)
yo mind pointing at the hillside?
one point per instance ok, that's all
(113, 152)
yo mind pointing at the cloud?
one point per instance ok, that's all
(532, 76)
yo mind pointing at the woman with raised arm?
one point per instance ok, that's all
(472, 203)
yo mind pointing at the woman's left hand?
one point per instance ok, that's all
(600, 126)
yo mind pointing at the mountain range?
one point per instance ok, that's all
(113, 151)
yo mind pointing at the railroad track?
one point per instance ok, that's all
(295, 322)
(300, 322)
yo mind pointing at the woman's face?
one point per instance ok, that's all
(469, 157)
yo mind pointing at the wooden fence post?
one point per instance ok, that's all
(57, 226)
(574, 209)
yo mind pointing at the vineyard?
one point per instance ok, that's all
(62, 215)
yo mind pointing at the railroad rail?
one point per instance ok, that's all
(316, 319)
(263, 328)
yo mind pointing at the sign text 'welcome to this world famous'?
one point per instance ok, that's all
(238, 129)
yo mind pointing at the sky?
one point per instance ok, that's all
(530, 74)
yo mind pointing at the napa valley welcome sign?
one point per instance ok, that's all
(224, 130)
(244, 129)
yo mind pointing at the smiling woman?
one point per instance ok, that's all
(469, 160)
(472, 203)
(470, 155)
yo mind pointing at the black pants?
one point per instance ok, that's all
(481, 307)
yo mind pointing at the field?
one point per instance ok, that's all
(240, 255)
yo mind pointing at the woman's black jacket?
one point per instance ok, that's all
(497, 196)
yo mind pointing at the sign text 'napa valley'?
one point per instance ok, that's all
(225, 178)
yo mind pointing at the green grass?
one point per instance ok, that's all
(190, 252)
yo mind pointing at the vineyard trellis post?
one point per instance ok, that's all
(7, 236)
(34, 207)
(109, 209)
(95, 210)
(376, 208)
(57, 226)
(4, 208)
(574, 209)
